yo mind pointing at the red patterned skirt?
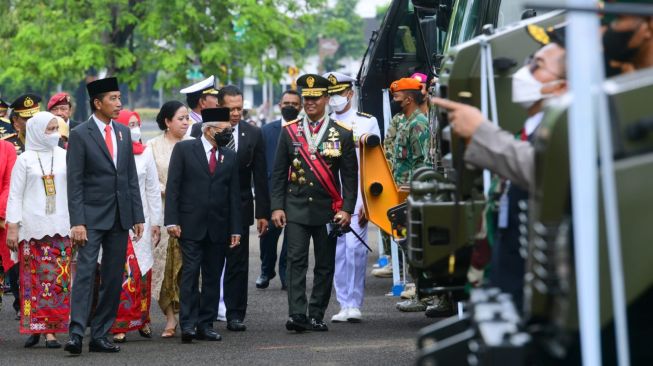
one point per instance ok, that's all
(135, 298)
(45, 284)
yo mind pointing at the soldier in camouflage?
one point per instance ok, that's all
(409, 135)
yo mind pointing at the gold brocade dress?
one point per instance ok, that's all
(167, 255)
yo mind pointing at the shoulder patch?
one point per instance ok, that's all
(343, 125)
(363, 114)
(285, 124)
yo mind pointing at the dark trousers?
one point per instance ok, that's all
(199, 310)
(235, 278)
(268, 246)
(299, 237)
(13, 274)
(114, 251)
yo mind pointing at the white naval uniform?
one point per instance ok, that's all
(351, 254)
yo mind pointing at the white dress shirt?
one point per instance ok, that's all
(101, 125)
(207, 149)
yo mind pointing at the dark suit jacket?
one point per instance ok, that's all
(72, 124)
(97, 187)
(310, 203)
(198, 201)
(271, 132)
(251, 162)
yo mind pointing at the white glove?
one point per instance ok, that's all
(475, 276)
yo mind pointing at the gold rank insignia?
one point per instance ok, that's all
(538, 34)
(310, 81)
(28, 102)
(343, 125)
(333, 79)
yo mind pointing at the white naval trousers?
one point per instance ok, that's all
(351, 263)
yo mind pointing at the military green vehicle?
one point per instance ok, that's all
(491, 330)
(413, 38)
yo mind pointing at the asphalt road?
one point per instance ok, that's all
(385, 337)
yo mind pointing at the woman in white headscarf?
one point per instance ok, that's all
(37, 228)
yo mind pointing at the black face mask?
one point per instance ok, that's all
(289, 113)
(222, 138)
(615, 45)
(395, 106)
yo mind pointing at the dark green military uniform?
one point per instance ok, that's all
(297, 191)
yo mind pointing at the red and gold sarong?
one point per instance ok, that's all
(135, 299)
(45, 284)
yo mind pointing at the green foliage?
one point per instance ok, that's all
(341, 23)
(46, 42)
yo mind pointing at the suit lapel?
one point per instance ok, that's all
(96, 134)
(120, 145)
(242, 141)
(198, 149)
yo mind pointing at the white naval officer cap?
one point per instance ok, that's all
(206, 86)
(338, 81)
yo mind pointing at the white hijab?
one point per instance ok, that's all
(35, 137)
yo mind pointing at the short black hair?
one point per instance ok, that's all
(193, 99)
(291, 92)
(417, 96)
(168, 110)
(230, 90)
(93, 98)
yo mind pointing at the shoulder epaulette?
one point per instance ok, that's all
(290, 122)
(4, 120)
(343, 125)
(363, 114)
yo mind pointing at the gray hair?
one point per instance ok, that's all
(206, 125)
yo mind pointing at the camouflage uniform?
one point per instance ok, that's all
(410, 147)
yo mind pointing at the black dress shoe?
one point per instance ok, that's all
(298, 323)
(318, 325)
(32, 340)
(263, 281)
(187, 336)
(208, 335)
(74, 345)
(102, 345)
(52, 344)
(236, 325)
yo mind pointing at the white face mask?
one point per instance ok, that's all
(338, 103)
(52, 139)
(136, 133)
(526, 90)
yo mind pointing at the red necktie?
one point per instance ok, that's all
(108, 140)
(212, 162)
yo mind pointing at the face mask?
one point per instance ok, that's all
(526, 90)
(52, 139)
(395, 106)
(136, 133)
(289, 113)
(222, 138)
(615, 45)
(338, 103)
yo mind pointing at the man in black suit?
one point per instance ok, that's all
(250, 152)
(207, 226)
(290, 105)
(104, 202)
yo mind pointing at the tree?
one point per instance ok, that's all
(341, 23)
(47, 42)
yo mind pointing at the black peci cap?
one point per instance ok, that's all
(102, 86)
(215, 115)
